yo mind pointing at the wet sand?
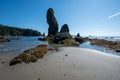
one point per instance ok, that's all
(67, 64)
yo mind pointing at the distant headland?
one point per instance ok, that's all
(15, 31)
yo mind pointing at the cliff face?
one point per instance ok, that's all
(52, 22)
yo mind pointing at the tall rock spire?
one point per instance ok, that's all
(52, 22)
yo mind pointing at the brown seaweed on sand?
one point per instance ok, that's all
(31, 55)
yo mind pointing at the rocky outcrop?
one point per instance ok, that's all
(108, 44)
(69, 42)
(47, 38)
(79, 38)
(52, 22)
(61, 36)
(31, 55)
(78, 35)
(64, 28)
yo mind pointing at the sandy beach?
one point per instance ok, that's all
(69, 63)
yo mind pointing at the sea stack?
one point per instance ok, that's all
(63, 34)
(64, 28)
(52, 22)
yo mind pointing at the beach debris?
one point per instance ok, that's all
(66, 55)
(30, 55)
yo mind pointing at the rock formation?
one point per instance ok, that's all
(30, 55)
(69, 42)
(78, 35)
(54, 36)
(64, 28)
(61, 36)
(79, 38)
(52, 22)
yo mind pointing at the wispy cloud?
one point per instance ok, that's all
(114, 15)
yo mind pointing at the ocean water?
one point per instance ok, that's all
(31, 42)
(23, 44)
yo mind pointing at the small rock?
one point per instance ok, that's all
(65, 74)
(117, 50)
(66, 55)
(2, 62)
(38, 78)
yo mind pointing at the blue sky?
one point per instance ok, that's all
(87, 17)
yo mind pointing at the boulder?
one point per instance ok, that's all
(61, 36)
(69, 42)
(79, 39)
(52, 22)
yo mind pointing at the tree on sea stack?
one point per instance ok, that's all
(52, 22)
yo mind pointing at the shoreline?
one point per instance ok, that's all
(111, 45)
(33, 42)
(69, 63)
